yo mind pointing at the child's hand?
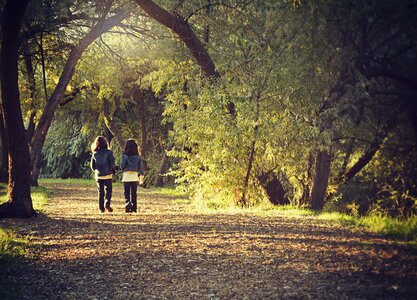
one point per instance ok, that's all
(115, 169)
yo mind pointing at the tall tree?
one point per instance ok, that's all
(20, 202)
(38, 140)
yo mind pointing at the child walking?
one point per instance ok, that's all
(131, 164)
(103, 165)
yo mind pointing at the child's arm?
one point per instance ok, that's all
(93, 163)
(113, 166)
(123, 163)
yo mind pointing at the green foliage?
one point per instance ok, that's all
(10, 246)
(385, 187)
(68, 181)
(296, 72)
(213, 147)
(403, 229)
(67, 148)
(393, 227)
(13, 250)
(168, 191)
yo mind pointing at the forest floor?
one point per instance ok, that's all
(168, 251)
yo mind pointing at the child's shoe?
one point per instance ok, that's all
(129, 207)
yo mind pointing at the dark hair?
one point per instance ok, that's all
(131, 148)
(99, 143)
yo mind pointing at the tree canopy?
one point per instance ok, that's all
(238, 102)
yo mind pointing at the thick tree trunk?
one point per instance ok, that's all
(47, 116)
(4, 167)
(19, 203)
(321, 179)
(272, 182)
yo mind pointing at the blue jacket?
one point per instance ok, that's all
(131, 163)
(103, 161)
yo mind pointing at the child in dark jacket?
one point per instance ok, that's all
(103, 165)
(131, 164)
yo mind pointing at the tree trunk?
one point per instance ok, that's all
(31, 82)
(139, 98)
(4, 168)
(370, 153)
(159, 180)
(361, 163)
(243, 200)
(321, 179)
(186, 35)
(47, 116)
(272, 183)
(207, 27)
(306, 196)
(111, 125)
(43, 67)
(19, 203)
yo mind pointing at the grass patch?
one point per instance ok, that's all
(13, 250)
(403, 229)
(10, 246)
(40, 196)
(262, 209)
(339, 218)
(394, 227)
(167, 192)
(74, 181)
(67, 181)
(288, 210)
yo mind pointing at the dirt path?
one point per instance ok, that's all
(167, 252)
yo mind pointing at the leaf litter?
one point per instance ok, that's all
(167, 251)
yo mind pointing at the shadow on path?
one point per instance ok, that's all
(166, 252)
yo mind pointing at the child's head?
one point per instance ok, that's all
(99, 143)
(131, 148)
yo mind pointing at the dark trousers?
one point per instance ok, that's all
(131, 189)
(104, 187)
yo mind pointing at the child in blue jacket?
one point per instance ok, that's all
(103, 165)
(131, 164)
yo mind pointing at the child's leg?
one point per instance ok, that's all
(100, 189)
(109, 190)
(127, 196)
(134, 186)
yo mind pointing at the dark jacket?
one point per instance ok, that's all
(103, 161)
(131, 163)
